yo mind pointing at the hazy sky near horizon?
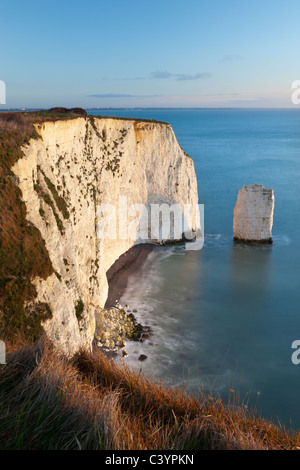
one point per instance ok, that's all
(160, 53)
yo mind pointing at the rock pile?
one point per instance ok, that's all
(114, 326)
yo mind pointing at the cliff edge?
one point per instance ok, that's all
(67, 175)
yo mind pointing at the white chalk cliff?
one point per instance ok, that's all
(253, 214)
(75, 166)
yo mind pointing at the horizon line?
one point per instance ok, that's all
(156, 108)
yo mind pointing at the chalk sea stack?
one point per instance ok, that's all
(253, 215)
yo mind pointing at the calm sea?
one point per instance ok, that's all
(225, 317)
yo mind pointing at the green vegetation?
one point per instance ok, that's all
(92, 121)
(79, 310)
(47, 199)
(60, 202)
(42, 212)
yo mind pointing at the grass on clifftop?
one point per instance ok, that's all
(48, 402)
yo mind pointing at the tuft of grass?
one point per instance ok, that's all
(89, 402)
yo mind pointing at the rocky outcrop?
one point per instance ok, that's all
(253, 214)
(115, 325)
(66, 175)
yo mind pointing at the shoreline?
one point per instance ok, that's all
(127, 264)
(118, 274)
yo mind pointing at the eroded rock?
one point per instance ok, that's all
(253, 214)
(114, 326)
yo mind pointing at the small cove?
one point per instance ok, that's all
(225, 317)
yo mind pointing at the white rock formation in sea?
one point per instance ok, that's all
(65, 175)
(253, 214)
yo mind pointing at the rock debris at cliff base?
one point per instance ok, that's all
(115, 326)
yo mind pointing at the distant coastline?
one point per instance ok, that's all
(218, 108)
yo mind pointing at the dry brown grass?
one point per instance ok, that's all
(89, 402)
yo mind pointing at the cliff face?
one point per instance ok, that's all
(65, 176)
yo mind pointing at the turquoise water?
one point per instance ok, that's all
(225, 317)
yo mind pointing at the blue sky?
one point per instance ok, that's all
(160, 53)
